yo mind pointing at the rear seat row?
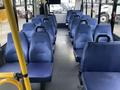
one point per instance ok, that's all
(38, 45)
(97, 53)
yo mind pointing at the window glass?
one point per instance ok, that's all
(63, 7)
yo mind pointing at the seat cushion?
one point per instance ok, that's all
(78, 54)
(101, 80)
(40, 72)
(10, 67)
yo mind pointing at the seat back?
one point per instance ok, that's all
(36, 20)
(10, 51)
(68, 15)
(92, 23)
(82, 28)
(83, 36)
(40, 47)
(28, 29)
(101, 57)
(103, 29)
(70, 12)
(49, 29)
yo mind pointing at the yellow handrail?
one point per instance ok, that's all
(13, 82)
(16, 39)
(7, 75)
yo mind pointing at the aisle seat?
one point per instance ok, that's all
(82, 38)
(49, 29)
(40, 60)
(28, 29)
(100, 66)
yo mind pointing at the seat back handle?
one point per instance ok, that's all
(103, 35)
(40, 28)
(81, 21)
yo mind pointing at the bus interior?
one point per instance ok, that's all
(60, 44)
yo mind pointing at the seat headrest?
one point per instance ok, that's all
(40, 28)
(28, 26)
(103, 29)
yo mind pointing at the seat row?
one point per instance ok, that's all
(83, 29)
(98, 56)
(38, 45)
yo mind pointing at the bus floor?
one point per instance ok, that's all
(65, 73)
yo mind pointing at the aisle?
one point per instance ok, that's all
(65, 76)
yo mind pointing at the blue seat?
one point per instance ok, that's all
(53, 17)
(28, 29)
(73, 14)
(71, 19)
(10, 55)
(102, 80)
(40, 72)
(92, 23)
(100, 66)
(84, 19)
(82, 29)
(44, 36)
(74, 27)
(40, 59)
(82, 37)
(52, 20)
(48, 26)
(103, 29)
(70, 12)
(37, 20)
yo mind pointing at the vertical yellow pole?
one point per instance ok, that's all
(16, 39)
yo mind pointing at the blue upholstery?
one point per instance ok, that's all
(70, 12)
(54, 25)
(103, 29)
(83, 36)
(11, 67)
(50, 31)
(85, 30)
(74, 23)
(52, 20)
(100, 66)
(74, 26)
(74, 13)
(40, 72)
(92, 23)
(101, 80)
(40, 48)
(28, 29)
(40, 55)
(101, 57)
(36, 20)
(82, 39)
(10, 52)
(68, 15)
(85, 17)
(71, 19)
(79, 20)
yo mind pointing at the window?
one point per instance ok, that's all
(63, 7)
